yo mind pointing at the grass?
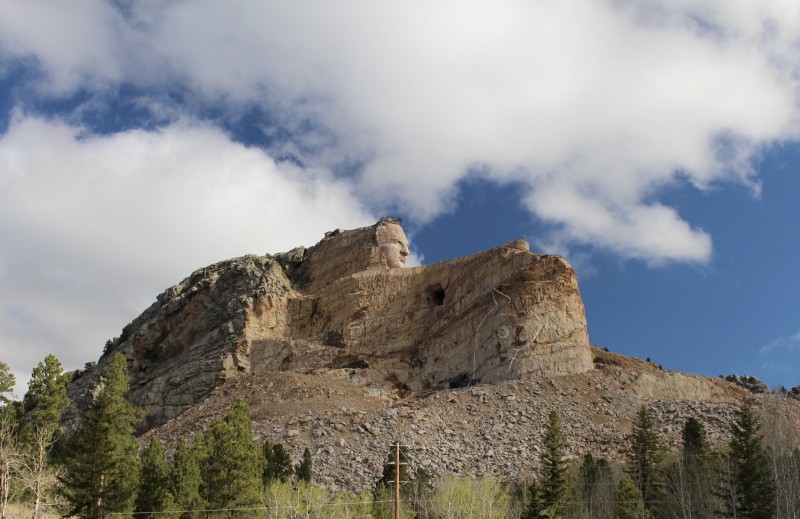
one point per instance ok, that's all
(23, 511)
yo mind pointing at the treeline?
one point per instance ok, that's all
(97, 471)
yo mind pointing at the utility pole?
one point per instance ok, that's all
(397, 481)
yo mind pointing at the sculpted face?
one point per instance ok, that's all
(393, 245)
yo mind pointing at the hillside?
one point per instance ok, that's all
(342, 349)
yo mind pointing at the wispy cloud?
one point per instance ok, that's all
(788, 343)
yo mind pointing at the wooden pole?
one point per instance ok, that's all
(397, 481)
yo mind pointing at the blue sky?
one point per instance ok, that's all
(655, 144)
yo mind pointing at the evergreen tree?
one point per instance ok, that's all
(552, 467)
(277, 463)
(629, 501)
(231, 462)
(303, 471)
(102, 468)
(645, 456)
(535, 504)
(546, 495)
(185, 478)
(47, 391)
(45, 400)
(7, 381)
(695, 443)
(754, 487)
(154, 481)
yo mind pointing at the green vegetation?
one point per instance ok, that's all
(153, 493)
(304, 472)
(547, 495)
(186, 478)
(7, 382)
(45, 401)
(277, 463)
(645, 456)
(101, 463)
(630, 504)
(231, 462)
(753, 488)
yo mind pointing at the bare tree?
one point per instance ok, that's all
(780, 436)
(35, 472)
(9, 457)
(597, 487)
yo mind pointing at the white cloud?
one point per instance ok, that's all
(591, 106)
(93, 228)
(606, 101)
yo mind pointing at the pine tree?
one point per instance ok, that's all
(629, 501)
(552, 467)
(185, 478)
(304, 472)
(535, 506)
(7, 381)
(695, 443)
(645, 456)
(154, 481)
(231, 462)
(754, 487)
(277, 463)
(45, 400)
(47, 391)
(101, 464)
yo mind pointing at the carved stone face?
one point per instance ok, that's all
(393, 245)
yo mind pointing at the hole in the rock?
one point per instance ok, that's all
(435, 295)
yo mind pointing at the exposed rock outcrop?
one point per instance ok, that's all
(347, 302)
(750, 383)
(341, 349)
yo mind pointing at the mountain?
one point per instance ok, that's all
(341, 348)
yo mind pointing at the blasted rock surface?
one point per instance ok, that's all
(348, 305)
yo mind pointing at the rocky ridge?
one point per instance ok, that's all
(341, 349)
(504, 314)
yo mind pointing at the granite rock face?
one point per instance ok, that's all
(349, 306)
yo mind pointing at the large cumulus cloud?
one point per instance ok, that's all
(92, 228)
(602, 103)
(591, 107)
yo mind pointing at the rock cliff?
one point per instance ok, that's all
(349, 304)
(341, 349)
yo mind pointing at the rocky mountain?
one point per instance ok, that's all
(342, 349)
